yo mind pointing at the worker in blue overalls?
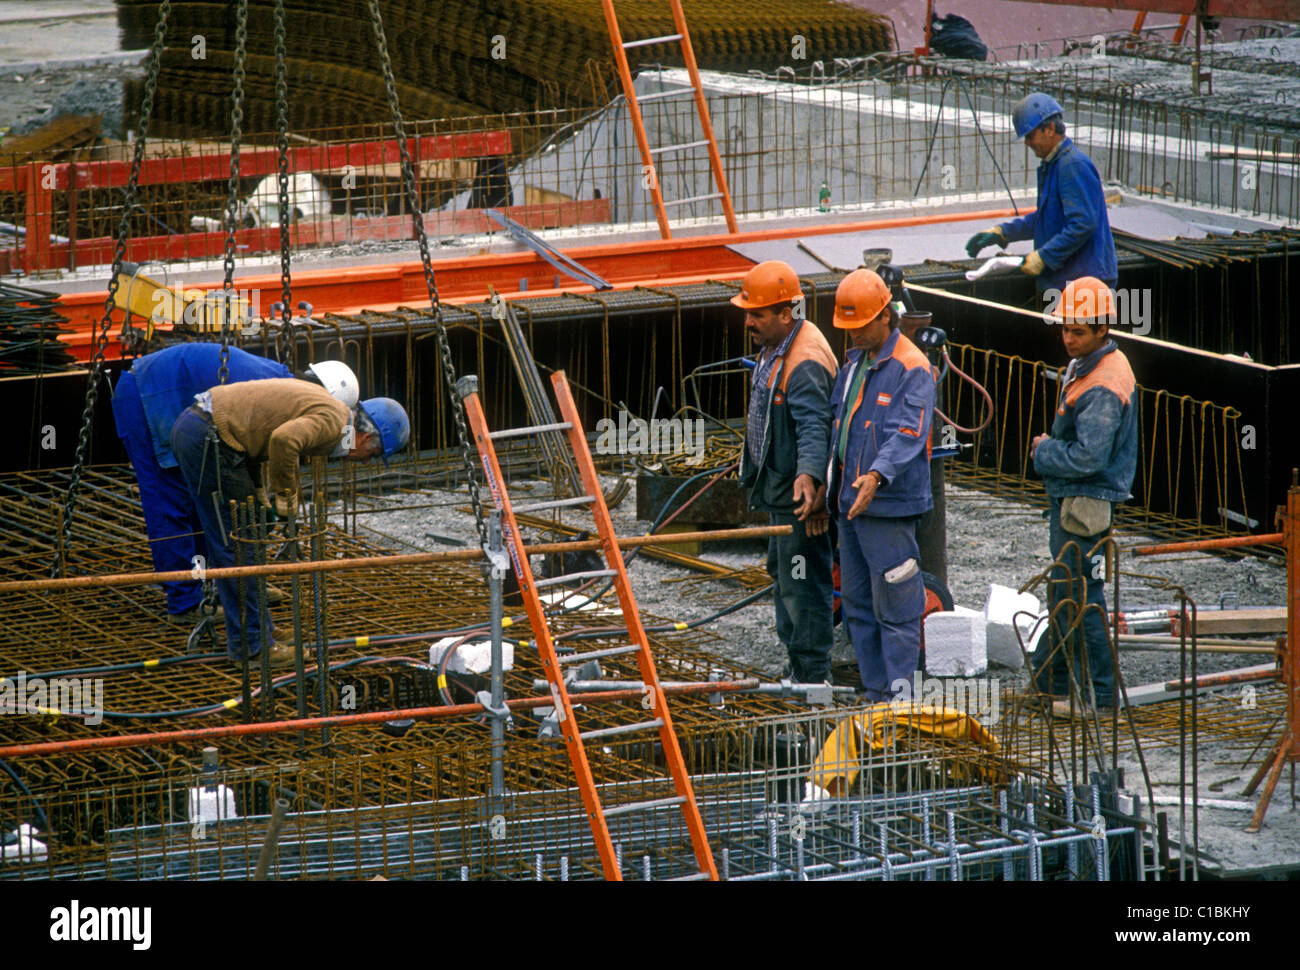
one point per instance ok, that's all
(878, 482)
(146, 402)
(1070, 228)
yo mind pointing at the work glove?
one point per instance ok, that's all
(1033, 264)
(989, 237)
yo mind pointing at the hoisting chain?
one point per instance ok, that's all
(119, 256)
(440, 329)
(232, 195)
(288, 346)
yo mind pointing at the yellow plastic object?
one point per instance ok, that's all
(842, 757)
(157, 304)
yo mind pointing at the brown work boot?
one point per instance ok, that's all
(282, 653)
(274, 595)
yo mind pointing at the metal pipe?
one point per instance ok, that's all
(366, 562)
(1199, 545)
(272, 839)
(346, 720)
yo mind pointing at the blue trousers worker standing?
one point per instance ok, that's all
(878, 483)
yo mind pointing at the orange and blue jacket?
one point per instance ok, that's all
(1094, 442)
(889, 430)
(798, 418)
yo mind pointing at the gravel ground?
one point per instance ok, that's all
(990, 539)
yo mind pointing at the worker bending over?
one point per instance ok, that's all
(787, 431)
(1070, 228)
(1087, 463)
(878, 482)
(146, 402)
(244, 440)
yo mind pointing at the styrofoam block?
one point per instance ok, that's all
(1000, 611)
(473, 657)
(955, 643)
(212, 806)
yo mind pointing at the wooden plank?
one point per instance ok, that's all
(1270, 620)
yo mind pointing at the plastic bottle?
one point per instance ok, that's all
(824, 198)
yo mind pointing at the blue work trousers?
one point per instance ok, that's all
(1080, 579)
(169, 518)
(800, 567)
(217, 474)
(883, 618)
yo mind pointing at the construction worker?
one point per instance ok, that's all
(146, 402)
(878, 482)
(238, 441)
(1070, 228)
(786, 435)
(1087, 463)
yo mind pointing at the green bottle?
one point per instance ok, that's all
(824, 198)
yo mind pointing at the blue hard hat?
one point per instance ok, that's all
(390, 420)
(1032, 111)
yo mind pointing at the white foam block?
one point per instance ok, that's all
(473, 657)
(212, 806)
(955, 643)
(1000, 611)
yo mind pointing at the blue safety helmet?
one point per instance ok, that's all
(1032, 111)
(387, 417)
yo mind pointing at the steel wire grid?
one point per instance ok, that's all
(435, 820)
(873, 139)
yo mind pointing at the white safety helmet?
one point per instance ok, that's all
(337, 378)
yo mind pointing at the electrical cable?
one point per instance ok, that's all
(45, 822)
(988, 400)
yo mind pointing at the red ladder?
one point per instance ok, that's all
(648, 154)
(653, 700)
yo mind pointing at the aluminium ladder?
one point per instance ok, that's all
(648, 154)
(653, 700)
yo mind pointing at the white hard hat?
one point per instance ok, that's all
(337, 378)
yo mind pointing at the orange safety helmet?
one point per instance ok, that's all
(1085, 300)
(767, 284)
(860, 298)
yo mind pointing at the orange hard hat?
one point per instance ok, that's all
(1085, 300)
(860, 298)
(767, 284)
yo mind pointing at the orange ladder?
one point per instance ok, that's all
(653, 700)
(648, 154)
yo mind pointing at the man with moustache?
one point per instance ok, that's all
(787, 432)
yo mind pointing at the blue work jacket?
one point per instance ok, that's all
(1070, 228)
(889, 430)
(1094, 442)
(168, 380)
(798, 416)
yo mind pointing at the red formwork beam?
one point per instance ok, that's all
(210, 245)
(40, 180)
(206, 167)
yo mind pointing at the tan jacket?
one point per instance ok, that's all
(277, 421)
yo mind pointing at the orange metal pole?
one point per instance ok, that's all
(1182, 28)
(1141, 19)
(369, 562)
(1200, 545)
(341, 720)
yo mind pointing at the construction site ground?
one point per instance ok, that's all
(992, 539)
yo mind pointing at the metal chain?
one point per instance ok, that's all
(288, 345)
(440, 329)
(232, 196)
(119, 256)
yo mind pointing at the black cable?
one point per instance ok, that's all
(45, 822)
